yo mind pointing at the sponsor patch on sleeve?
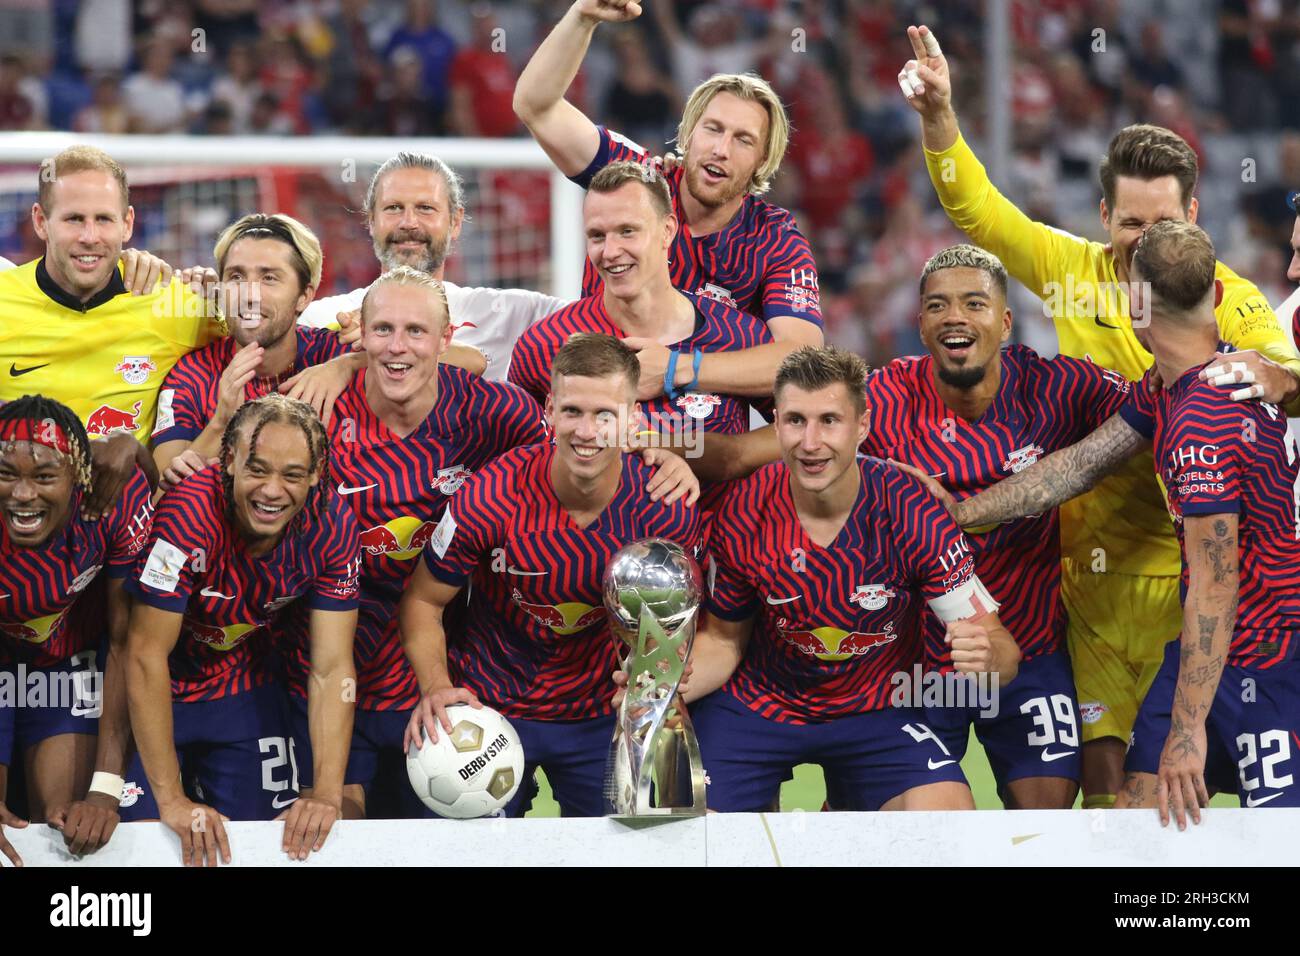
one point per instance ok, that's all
(162, 571)
(440, 541)
(166, 416)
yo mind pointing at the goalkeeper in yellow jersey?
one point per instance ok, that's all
(1120, 556)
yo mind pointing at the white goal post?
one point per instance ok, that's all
(172, 163)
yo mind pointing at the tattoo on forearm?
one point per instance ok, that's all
(1057, 478)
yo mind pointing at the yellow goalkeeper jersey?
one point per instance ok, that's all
(106, 359)
(1125, 515)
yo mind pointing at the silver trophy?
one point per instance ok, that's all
(652, 592)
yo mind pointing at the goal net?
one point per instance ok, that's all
(523, 226)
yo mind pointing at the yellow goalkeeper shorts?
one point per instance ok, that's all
(1119, 626)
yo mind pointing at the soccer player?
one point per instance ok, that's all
(821, 566)
(230, 548)
(731, 244)
(1225, 692)
(73, 332)
(1289, 310)
(1120, 559)
(630, 226)
(62, 623)
(269, 267)
(531, 534)
(415, 208)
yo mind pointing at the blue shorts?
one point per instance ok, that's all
(1035, 732)
(1251, 731)
(573, 754)
(37, 703)
(375, 759)
(868, 758)
(236, 756)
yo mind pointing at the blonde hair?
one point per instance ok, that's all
(755, 89)
(307, 255)
(406, 276)
(78, 159)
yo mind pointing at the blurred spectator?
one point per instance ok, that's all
(353, 69)
(238, 88)
(434, 47)
(17, 111)
(713, 43)
(155, 100)
(102, 36)
(27, 27)
(219, 120)
(1154, 66)
(288, 75)
(403, 108)
(226, 22)
(1247, 60)
(107, 112)
(642, 103)
(268, 118)
(483, 82)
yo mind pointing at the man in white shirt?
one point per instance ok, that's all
(415, 207)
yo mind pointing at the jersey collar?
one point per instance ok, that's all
(53, 290)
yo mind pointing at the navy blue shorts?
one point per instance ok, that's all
(37, 703)
(868, 759)
(236, 756)
(375, 759)
(573, 754)
(1035, 732)
(1252, 731)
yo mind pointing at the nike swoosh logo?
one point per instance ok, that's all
(15, 371)
(2, 596)
(1252, 802)
(1049, 757)
(345, 490)
(1105, 325)
(772, 600)
(526, 574)
(208, 592)
(277, 805)
(936, 764)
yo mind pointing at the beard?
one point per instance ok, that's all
(429, 259)
(964, 377)
(728, 190)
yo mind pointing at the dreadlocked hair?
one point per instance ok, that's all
(41, 410)
(259, 413)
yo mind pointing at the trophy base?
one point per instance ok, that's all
(655, 818)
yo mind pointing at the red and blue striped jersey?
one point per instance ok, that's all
(833, 624)
(1041, 406)
(398, 488)
(46, 612)
(534, 641)
(718, 328)
(188, 398)
(1217, 456)
(759, 262)
(197, 565)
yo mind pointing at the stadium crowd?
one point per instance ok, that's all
(1222, 73)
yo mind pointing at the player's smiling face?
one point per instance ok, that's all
(261, 289)
(272, 481)
(819, 432)
(1139, 205)
(84, 230)
(36, 489)
(725, 148)
(412, 223)
(404, 330)
(593, 420)
(627, 240)
(964, 321)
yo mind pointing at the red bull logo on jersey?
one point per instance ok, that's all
(567, 618)
(107, 420)
(872, 597)
(220, 638)
(1022, 458)
(402, 537)
(135, 369)
(698, 404)
(449, 480)
(834, 644)
(36, 631)
(711, 291)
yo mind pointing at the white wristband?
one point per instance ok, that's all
(971, 599)
(109, 784)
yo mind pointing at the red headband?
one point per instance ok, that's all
(40, 433)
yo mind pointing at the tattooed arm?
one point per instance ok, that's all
(1060, 476)
(1209, 616)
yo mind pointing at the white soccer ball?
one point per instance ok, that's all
(471, 772)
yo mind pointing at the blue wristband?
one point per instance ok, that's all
(670, 374)
(697, 357)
